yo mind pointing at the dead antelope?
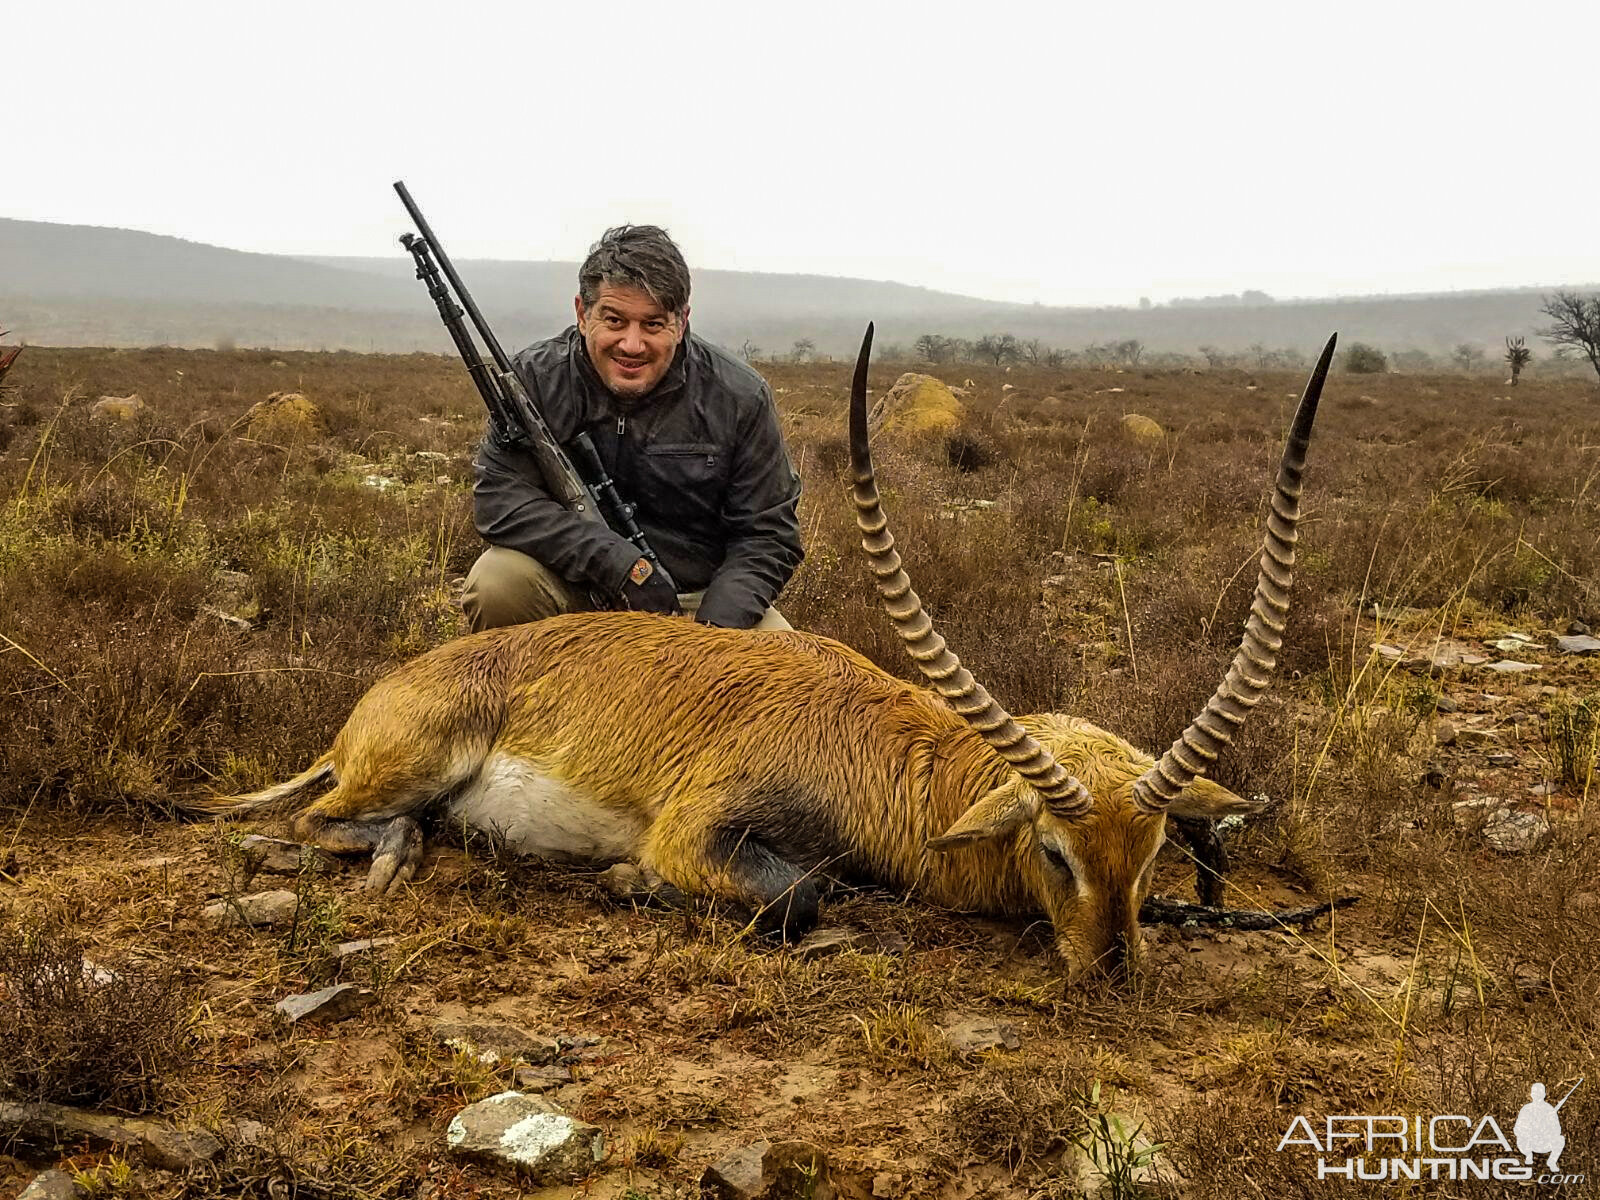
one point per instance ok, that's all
(747, 766)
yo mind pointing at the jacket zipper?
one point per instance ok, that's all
(622, 426)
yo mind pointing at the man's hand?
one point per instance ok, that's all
(648, 590)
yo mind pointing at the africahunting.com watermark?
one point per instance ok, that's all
(1450, 1146)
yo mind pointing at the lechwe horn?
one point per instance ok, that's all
(1062, 793)
(1198, 746)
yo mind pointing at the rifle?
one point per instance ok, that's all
(591, 494)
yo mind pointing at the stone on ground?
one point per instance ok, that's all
(257, 908)
(118, 408)
(1140, 428)
(493, 1042)
(916, 405)
(51, 1185)
(285, 416)
(330, 1004)
(972, 1035)
(528, 1134)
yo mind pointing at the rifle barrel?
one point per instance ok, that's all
(449, 269)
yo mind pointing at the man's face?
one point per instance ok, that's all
(631, 338)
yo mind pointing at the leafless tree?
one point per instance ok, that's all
(803, 349)
(1576, 325)
(996, 347)
(1128, 352)
(1517, 356)
(1031, 351)
(1467, 356)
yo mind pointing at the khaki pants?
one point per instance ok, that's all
(506, 587)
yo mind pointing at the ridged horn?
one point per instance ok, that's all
(1251, 673)
(1062, 793)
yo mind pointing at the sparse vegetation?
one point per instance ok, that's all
(79, 1027)
(1438, 514)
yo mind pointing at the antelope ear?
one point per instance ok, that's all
(1003, 810)
(1204, 800)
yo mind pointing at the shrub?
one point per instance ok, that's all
(1362, 359)
(78, 1032)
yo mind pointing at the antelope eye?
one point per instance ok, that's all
(1056, 859)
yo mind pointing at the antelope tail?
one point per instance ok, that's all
(279, 797)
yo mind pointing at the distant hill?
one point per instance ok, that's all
(83, 285)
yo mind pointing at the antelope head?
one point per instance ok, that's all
(1084, 811)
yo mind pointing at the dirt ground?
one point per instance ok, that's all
(1443, 797)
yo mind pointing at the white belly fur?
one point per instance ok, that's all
(544, 816)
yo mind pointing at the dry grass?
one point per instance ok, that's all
(1108, 579)
(102, 1032)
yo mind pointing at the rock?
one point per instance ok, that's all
(1445, 704)
(251, 1133)
(821, 943)
(1510, 643)
(328, 1005)
(278, 857)
(1467, 812)
(51, 1185)
(972, 1035)
(1445, 733)
(179, 1150)
(1138, 428)
(916, 405)
(1544, 789)
(1502, 760)
(363, 946)
(1515, 832)
(1577, 629)
(226, 617)
(528, 1134)
(1468, 736)
(494, 1042)
(736, 1177)
(1579, 643)
(118, 408)
(257, 908)
(1387, 652)
(56, 1124)
(540, 1079)
(1052, 410)
(1473, 660)
(285, 416)
(1509, 666)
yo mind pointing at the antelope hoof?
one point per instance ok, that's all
(396, 856)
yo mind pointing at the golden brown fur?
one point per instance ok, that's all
(740, 752)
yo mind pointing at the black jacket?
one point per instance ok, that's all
(701, 457)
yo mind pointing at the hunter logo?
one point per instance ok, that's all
(641, 571)
(1454, 1147)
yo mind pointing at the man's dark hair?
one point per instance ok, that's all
(640, 256)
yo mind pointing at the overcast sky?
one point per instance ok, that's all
(1062, 153)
